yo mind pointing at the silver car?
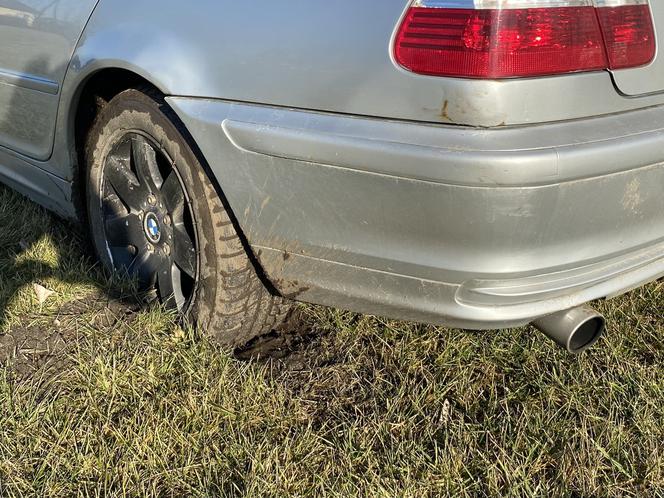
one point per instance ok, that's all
(474, 163)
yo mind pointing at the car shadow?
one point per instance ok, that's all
(38, 250)
(47, 272)
(39, 253)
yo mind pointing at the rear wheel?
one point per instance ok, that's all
(154, 214)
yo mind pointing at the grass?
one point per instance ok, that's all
(97, 399)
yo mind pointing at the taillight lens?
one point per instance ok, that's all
(553, 37)
(629, 35)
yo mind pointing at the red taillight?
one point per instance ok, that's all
(522, 42)
(629, 35)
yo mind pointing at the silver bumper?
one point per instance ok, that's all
(474, 228)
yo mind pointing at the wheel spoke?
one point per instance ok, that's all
(124, 183)
(123, 231)
(112, 206)
(144, 267)
(165, 285)
(144, 160)
(123, 257)
(184, 252)
(173, 195)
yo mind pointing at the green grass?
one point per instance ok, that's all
(124, 403)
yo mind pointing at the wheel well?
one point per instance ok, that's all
(98, 91)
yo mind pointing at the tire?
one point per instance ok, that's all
(182, 245)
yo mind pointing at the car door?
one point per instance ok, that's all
(37, 39)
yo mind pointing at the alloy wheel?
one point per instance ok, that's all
(148, 223)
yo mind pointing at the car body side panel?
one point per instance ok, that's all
(37, 39)
(331, 56)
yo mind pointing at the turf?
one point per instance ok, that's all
(97, 398)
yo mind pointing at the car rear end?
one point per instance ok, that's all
(472, 163)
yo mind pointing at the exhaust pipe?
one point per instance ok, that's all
(575, 330)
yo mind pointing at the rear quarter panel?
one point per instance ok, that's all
(329, 56)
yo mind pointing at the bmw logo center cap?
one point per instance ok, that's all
(151, 227)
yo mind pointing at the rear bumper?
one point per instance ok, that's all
(458, 226)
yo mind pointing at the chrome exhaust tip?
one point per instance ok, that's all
(574, 330)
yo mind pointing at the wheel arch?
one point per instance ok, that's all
(90, 97)
(114, 54)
